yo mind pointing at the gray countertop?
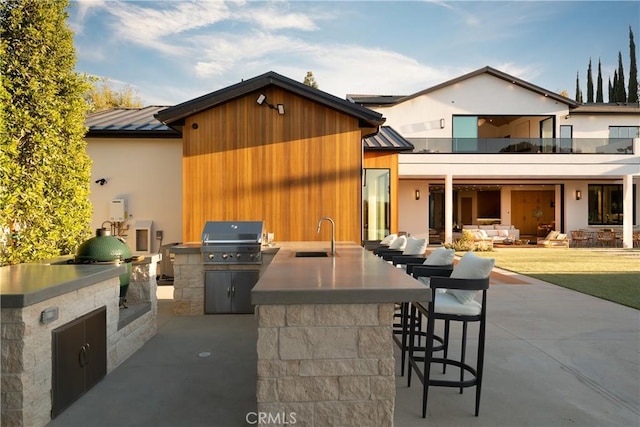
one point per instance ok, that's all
(354, 276)
(22, 285)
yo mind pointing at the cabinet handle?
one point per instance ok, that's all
(233, 291)
(82, 356)
(87, 347)
(228, 292)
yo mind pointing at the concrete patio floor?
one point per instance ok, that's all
(554, 357)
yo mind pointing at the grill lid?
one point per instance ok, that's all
(225, 232)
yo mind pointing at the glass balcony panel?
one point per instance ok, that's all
(523, 145)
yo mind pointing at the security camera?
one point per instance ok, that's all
(101, 181)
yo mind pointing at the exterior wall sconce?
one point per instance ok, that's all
(441, 123)
(417, 194)
(578, 194)
(262, 99)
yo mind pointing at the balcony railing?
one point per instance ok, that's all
(523, 145)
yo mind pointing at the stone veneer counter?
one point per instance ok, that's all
(70, 291)
(22, 285)
(325, 337)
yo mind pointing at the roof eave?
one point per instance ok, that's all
(188, 108)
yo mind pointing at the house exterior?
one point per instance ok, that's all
(482, 148)
(268, 148)
(493, 148)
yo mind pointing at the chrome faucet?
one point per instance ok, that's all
(333, 233)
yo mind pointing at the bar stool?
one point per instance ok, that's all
(453, 299)
(438, 263)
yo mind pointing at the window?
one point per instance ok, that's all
(605, 204)
(376, 209)
(624, 131)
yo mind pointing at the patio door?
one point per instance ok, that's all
(376, 207)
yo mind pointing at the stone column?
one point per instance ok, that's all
(326, 364)
(188, 284)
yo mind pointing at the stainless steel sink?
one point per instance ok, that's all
(311, 254)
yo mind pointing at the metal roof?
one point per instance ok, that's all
(133, 122)
(175, 115)
(386, 140)
(377, 100)
(141, 123)
(608, 108)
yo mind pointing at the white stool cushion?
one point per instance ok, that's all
(441, 256)
(389, 239)
(400, 243)
(470, 266)
(446, 303)
(415, 246)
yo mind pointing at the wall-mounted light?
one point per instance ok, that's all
(441, 123)
(262, 99)
(578, 194)
(417, 194)
(101, 181)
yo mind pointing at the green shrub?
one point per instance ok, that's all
(467, 243)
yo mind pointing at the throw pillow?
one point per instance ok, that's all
(441, 256)
(389, 239)
(470, 266)
(399, 243)
(415, 246)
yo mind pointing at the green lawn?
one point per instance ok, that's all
(613, 275)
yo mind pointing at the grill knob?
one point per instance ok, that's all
(238, 255)
(224, 256)
(212, 256)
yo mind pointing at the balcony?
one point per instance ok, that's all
(523, 145)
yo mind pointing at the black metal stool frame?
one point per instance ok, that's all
(429, 311)
(408, 322)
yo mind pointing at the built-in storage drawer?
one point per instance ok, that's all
(229, 291)
(79, 358)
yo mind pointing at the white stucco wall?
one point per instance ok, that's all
(483, 94)
(147, 173)
(413, 214)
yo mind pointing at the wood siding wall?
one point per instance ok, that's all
(377, 160)
(244, 161)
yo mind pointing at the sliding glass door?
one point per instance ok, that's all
(376, 209)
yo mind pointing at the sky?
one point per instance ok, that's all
(169, 52)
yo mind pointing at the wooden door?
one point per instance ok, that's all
(526, 204)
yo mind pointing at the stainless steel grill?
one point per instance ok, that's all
(232, 242)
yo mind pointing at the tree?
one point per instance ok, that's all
(309, 80)
(589, 83)
(611, 90)
(633, 70)
(621, 92)
(44, 168)
(578, 91)
(599, 94)
(102, 96)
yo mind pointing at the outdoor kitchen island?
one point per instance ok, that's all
(325, 347)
